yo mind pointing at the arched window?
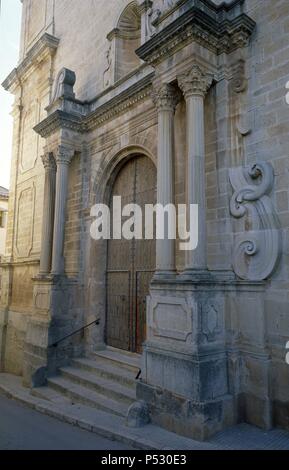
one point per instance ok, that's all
(123, 42)
(128, 40)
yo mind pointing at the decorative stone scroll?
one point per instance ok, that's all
(64, 84)
(258, 246)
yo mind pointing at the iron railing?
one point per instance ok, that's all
(54, 345)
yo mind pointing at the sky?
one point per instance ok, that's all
(10, 24)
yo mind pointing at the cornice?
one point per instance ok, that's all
(120, 103)
(43, 48)
(61, 119)
(219, 29)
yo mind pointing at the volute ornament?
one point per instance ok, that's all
(257, 248)
(64, 84)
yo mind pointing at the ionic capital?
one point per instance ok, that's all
(166, 97)
(64, 155)
(195, 82)
(48, 161)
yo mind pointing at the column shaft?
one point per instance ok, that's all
(63, 160)
(196, 180)
(48, 213)
(165, 260)
(166, 99)
(195, 85)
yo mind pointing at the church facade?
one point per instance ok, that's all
(168, 101)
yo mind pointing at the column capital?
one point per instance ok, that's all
(64, 155)
(48, 161)
(166, 97)
(196, 81)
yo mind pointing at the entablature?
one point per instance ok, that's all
(82, 117)
(221, 29)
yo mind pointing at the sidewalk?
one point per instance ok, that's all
(148, 438)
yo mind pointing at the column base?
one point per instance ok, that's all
(164, 275)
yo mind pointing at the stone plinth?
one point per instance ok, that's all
(186, 376)
(53, 319)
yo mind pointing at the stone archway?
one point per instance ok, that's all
(130, 263)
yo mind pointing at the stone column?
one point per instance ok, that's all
(63, 159)
(165, 99)
(195, 85)
(48, 213)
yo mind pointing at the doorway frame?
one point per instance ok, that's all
(109, 168)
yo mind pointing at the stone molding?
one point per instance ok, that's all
(166, 97)
(60, 120)
(24, 250)
(48, 161)
(45, 47)
(195, 82)
(257, 250)
(218, 28)
(85, 120)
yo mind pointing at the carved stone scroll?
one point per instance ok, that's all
(64, 84)
(257, 247)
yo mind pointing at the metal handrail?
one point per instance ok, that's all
(54, 345)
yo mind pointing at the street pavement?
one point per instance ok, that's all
(22, 428)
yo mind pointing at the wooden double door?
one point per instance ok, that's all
(131, 263)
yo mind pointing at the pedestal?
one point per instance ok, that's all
(199, 363)
(53, 319)
(184, 376)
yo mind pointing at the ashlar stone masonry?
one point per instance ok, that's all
(179, 101)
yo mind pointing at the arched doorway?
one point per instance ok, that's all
(131, 263)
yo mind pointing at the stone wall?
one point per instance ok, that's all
(247, 121)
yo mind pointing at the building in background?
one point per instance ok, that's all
(176, 101)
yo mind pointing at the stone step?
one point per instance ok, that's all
(118, 358)
(106, 370)
(108, 388)
(83, 395)
(51, 395)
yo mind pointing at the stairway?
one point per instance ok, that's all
(105, 381)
